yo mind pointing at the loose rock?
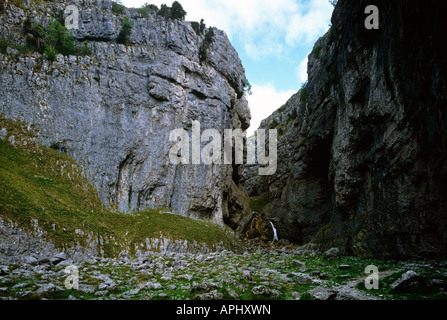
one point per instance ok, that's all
(410, 281)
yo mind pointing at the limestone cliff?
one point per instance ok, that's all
(362, 160)
(113, 110)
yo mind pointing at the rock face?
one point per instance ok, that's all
(113, 111)
(362, 160)
(18, 246)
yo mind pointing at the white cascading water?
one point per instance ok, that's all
(275, 235)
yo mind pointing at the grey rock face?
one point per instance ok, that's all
(363, 165)
(18, 246)
(114, 111)
(33, 249)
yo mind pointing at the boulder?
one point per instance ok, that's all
(213, 295)
(409, 282)
(58, 258)
(332, 254)
(47, 288)
(321, 293)
(265, 291)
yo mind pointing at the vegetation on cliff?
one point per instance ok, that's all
(39, 183)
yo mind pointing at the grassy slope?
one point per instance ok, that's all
(40, 183)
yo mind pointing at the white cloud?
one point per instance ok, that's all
(302, 74)
(262, 24)
(309, 22)
(265, 28)
(263, 102)
(256, 50)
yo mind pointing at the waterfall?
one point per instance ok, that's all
(275, 235)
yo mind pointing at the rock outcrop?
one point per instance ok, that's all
(362, 160)
(113, 110)
(18, 246)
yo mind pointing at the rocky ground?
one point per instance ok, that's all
(258, 272)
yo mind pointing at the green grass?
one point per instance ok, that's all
(269, 270)
(41, 183)
(118, 8)
(258, 204)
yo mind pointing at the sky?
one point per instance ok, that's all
(273, 39)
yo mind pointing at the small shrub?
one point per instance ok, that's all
(4, 43)
(56, 39)
(177, 11)
(206, 44)
(198, 27)
(35, 36)
(50, 53)
(164, 11)
(146, 9)
(303, 96)
(248, 87)
(60, 39)
(174, 12)
(85, 49)
(202, 26)
(195, 26)
(124, 35)
(117, 8)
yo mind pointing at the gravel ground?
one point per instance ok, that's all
(259, 272)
